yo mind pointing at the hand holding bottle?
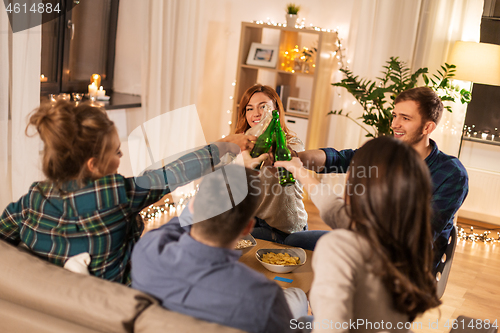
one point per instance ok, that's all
(250, 162)
(294, 165)
(241, 141)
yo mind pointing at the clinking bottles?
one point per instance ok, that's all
(282, 153)
(266, 139)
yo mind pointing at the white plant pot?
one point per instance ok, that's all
(291, 20)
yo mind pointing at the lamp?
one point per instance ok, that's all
(476, 62)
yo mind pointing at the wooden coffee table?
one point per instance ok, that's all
(302, 277)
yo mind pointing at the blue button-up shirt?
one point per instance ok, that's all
(450, 186)
(206, 282)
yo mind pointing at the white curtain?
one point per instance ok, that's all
(171, 66)
(441, 24)
(419, 32)
(19, 95)
(172, 61)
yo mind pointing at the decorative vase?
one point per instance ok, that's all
(291, 20)
(307, 67)
(297, 64)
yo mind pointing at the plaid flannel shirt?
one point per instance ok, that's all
(450, 186)
(100, 218)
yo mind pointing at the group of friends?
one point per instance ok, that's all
(390, 226)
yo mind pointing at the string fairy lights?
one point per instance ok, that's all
(169, 208)
(229, 111)
(472, 236)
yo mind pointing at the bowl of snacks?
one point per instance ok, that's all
(246, 243)
(281, 260)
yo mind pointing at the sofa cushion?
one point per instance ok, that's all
(156, 319)
(15, 318)
(84, 300)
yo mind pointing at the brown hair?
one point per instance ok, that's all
(392, 211)
(244, 188)
(430, 105)
(242, 124)
(71, 136)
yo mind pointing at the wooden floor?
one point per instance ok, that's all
(473, 287)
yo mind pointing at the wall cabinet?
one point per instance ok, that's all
(314, 86)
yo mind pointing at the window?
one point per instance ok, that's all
(78, 44)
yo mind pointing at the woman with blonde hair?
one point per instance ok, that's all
(84, 205)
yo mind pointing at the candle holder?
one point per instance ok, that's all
(77, 97)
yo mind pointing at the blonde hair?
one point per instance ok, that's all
(71, 136)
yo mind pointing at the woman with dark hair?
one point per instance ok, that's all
(282, 211)
(376, 265)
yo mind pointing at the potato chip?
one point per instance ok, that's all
(280, 259)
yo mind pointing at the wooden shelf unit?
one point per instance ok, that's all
(321, 92)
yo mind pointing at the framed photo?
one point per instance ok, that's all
(298, 106)
(263, 55)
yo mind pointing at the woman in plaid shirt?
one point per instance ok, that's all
(84, 205)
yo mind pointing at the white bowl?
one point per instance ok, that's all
(293, 252)
(251, 239)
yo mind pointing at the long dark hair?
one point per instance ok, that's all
(389, 192)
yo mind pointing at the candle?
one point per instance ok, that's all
(101, 93)
(43, 78)
(96, 78)
(92, 90)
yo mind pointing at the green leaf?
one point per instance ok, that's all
(426, 79)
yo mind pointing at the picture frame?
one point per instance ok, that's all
(298, 106)
(262, 55)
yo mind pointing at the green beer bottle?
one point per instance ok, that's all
(266, 139)
(282, 153)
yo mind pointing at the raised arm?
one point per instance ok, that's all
(313, 159)
(327, 160)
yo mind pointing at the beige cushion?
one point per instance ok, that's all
(82, 300)
(156, 319)
(18, 319)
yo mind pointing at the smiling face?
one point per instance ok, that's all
(256, 106)
(407, 123)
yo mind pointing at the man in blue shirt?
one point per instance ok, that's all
(416, 114)
(194, 270)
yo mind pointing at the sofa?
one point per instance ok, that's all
(37, 296)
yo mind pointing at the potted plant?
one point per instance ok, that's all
(377, 98)
(292, 11)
